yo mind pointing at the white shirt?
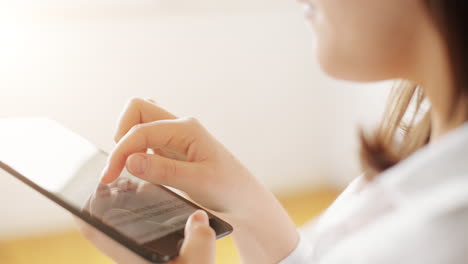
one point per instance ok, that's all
(415, 212)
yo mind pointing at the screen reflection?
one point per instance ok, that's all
(68, 166)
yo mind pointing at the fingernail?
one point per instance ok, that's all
(201, 217)
(198, 218)
(137, 164)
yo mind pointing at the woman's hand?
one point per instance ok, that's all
(185, 157)
(199, 245)
(160, 148)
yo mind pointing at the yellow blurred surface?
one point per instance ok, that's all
(72, 248)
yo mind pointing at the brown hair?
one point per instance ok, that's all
(383, 149)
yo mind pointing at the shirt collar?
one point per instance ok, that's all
(436, 163)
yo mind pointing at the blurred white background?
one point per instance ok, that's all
(245, 68)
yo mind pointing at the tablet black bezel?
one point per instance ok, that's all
(221, 227)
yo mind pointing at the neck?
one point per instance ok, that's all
(441, 125)
(435, 76)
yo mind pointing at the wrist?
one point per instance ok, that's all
(263, 231)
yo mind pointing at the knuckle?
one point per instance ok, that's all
(166, 171)
(135, 101)
(191, 120)
(137, 129)
(193, 124)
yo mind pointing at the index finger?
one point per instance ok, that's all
(139, 111)
(177, 135)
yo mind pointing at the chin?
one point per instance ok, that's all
(349, 70)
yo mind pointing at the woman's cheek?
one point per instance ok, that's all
(366, 40)
(350, 49)
(330, 31)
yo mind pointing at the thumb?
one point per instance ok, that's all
(161, 170)
(199, 245)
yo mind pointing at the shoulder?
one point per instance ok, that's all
(429, 227)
